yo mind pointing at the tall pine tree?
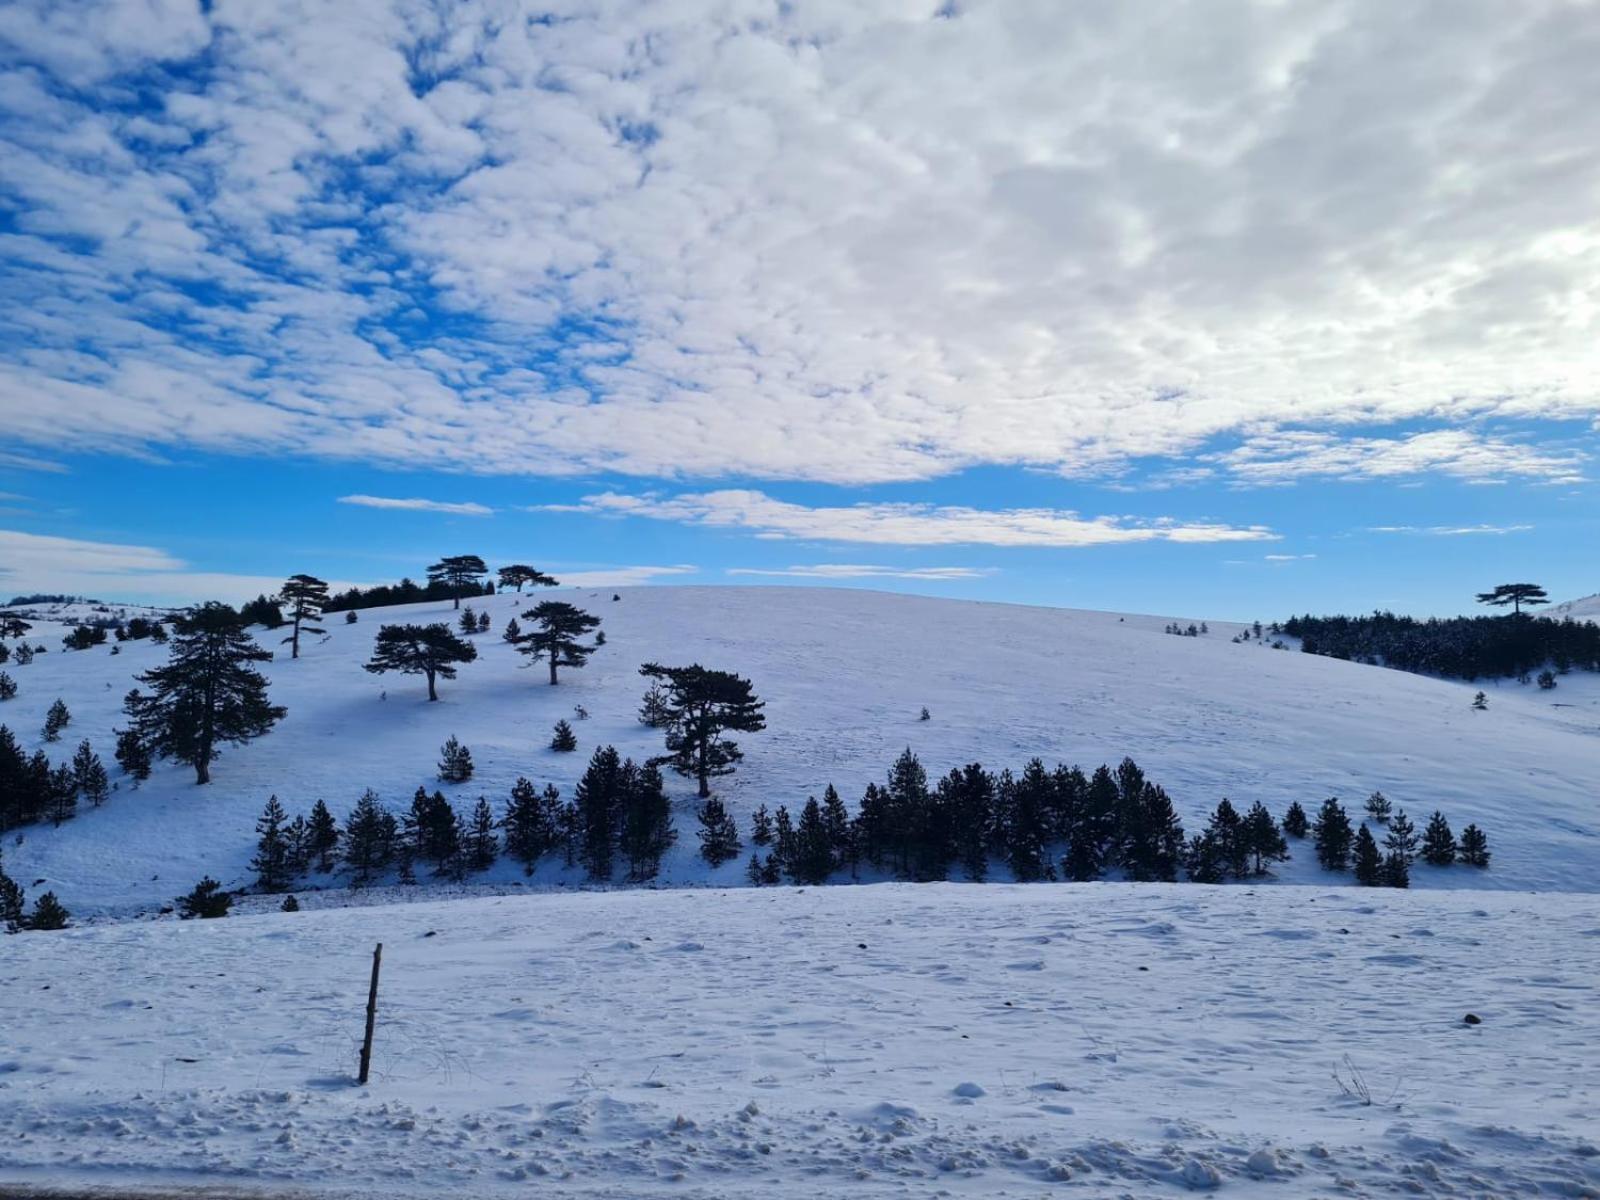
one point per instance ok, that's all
(304, 596)
(702, 705)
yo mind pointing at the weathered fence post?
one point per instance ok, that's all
(372, 1014)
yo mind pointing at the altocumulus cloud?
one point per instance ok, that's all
(849, 242)
(902, 524)
(414, 504)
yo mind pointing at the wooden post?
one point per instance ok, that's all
(372, 1014)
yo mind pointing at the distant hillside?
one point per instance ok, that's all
(845, 675)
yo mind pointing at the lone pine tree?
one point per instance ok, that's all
(55, 720)
(1379, 808)
(562, 739)
(207, 694)
(1438, 842)
(90, 774)
(304, 596)
(1516, 595)
(457, 572)
(556, 635)
(455, 761)
(702, 705)
(1401, 839)
(518, 574)
(273, 853)
(1474, 847)
(429, 650)
(48, 914)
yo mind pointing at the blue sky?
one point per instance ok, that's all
(1129, 307)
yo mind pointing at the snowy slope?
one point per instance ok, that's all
(845, 674)
(1102, 1040)
(1586, 609)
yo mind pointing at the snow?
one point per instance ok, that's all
(845, 675)
(1585, 609)
(890, 1040)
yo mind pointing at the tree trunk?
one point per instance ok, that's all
(552, 669)
(432, 694)
(294, 642)
(202, 771)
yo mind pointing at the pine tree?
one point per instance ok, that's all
(761, 827)
(272, 859)
(1333, 836)
(428, 650)
(836, 821)
(654, 710)
(350, 618)
(1480, 702)
(12, 901)
(966, 796)
(1203, 858)
(703, 704)
(133, 756)
(289, 905)
(24, 655)
(513, 631)
(206, 695)
(369, 839)
(483, 847)
(812, 859)
(90, 774)
(598, 801)
(783, 840)
(920, 839)
(483, 621)
(48, 914)
(1401, 839)
(1379, 808)
(719, 836)
(206, 902)
(455, 761)
(555, 635)
(1438, 842)
(457, 573)
(57, 719)
(1368, 862)
(1474, 847)
(1023, 808)
(1232, 848)
(647, 830)
(322, 836)
(518, 574)
(1091, 827)
(563, 740)
(532, 823)
(754, 872)
(468, 624)
(305, 596)
(1294, 821)
(1262, 839)
(1396, 870)
(63, 795)
(8, 687)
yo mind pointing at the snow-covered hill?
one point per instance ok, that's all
(845, 675)
(1099, 1040)
(1584, 609)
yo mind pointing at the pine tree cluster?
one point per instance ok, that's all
(33, 790)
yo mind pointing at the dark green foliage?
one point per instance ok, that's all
(1294, 821)
(533, 823)
(1401, 839)
(483, 846)
(207, 695)
(206, 902)
(1474, 847)
(483, 621)
(754, 872)
(350, 617)
(431, 831)
(273, 858)
(1333, 836)
(702, 705)
(653, 709)
(598, 800)
(289, 905)
(89, 773)
(1379, 808)
(12, 901)
(84, 636)
(1262, 839)
(1023, 807)
(518, 574)
(132, 754)
(8, 687)
(1091, 826)
(24, 655)
(455, 761)
(468, 624)
(404, 592)
(556, 634)
(646, 828)
(322, 837)
(62, 804)
(1547, 680)
(1203, 858)
(458, 574)
(1516, 595)
(1438, 842)
(811, 860)
(1221, 850)
(966, 800)
(1396, 870)
(428, 650)
(263, 610)
(57, 719)
(1152, 843)
(369, 839)
(1368, 862)
(306, 596)
(761, 826)
(563, 739)
(836, 823)
(783, 840)
(719, 836)
(297, 834)
(48, 914)
(513, 631)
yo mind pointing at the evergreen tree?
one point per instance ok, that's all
(272, 858)
(12, 901)
(63, 795)
(1368, 862)
(1294, 821)
(432, 830)
(783, 841)
(57, 719)
(1333, 836)
(24, 655)
(529, 826)
(1438, 842)
(812, 859)
(429, 650)
(206, 695)
(289, 905)
(555, 635)
(719, 836)
(703, 704)
(920, 836)
(369, 839)
(1474, 847)
(598, 800)
(513, 631)
(468, 624)
(1024, 807)
(836, 821)
(518, 574)
(1516, 595)
(455, 761)
(1203, 858)
(1232, 846)
(297, 835)
(206, 902)
(457, 573)
(1379, 808)
(1151, 841)
(1396, 870)
(483, 621)
(654, 710)
(761, 827)
(90, 774)
(48, 914)
(647, 830)
(563, 740)
(483, 846)
(8, 686)
(350, 618)
(1480, 702)
(1401, 839)
(966, 796)
(1262, 839)
(754, 872)
(322, 836)
(305, 596)
(1091, 827)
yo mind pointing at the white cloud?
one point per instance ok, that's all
(1451, 530)
(1287, 558)
(1289, 455)
(865, 571)
(830, 241)
(623, 576)
(464, 508)
(903, 524)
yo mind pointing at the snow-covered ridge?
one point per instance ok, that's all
(845, 674)
(1585, 609)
